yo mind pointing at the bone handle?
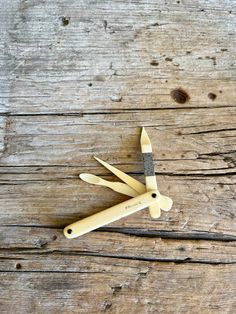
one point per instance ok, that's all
(111, 214)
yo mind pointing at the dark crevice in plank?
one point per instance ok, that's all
(43, 166)
(76, 177)
(34, 226)
(210, 131)
(111, 111)
(189, 174)
(194, 235)
(219, 153)
(171, 174)
(224, 174)
(23, 182)
(50, 271)
(159, 260)
(8, 258)
(126, 257)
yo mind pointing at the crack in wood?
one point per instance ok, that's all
(110, 111)
(209, 131)
(194, 235)
(158, 173)
(124, 257)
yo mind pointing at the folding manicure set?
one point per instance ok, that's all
(142, 196)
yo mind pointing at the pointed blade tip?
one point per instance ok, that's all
(144, 137)
(143, 130)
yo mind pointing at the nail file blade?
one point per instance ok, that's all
(149, 171)
(165, 202)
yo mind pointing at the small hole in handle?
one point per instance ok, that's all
(69, 231)
(154, 195)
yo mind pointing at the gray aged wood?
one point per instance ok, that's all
(97, 285)
(79, 78)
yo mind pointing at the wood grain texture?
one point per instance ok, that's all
(79, 78)
(126, 244)
(54, 196)
(111, 285)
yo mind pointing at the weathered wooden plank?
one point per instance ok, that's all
(115, 54)
(184, 141)
(50, 195)
(116, 286)
(200, 203)
(153, 93)
(43, 241)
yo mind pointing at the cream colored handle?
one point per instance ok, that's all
(111, 214)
